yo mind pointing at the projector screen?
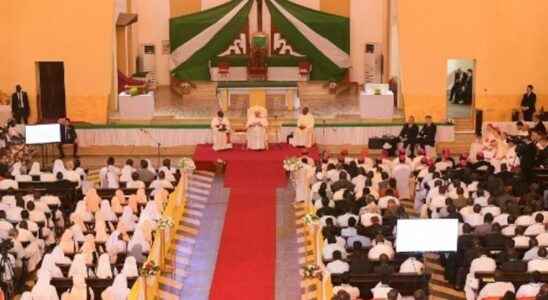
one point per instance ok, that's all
(427, 235)
(42, 134)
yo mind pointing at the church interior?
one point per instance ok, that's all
(273, 149)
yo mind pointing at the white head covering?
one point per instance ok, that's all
(128, 218)
(16, 169)
(118, 290)
(79, 290)
(114, 245)
(58, 166)
(130, 267)
(78, 267)
(43, 290)
(35, 169)
(26, 296)
(107, 212)
(150, 167)
(103, 267)
(48, 265)
(59, 256)
(101, 234)
(138, 238)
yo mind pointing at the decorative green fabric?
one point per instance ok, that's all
(196, 67)
(322, 67)
(332, 27)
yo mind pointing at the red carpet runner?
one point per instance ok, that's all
(245, 266)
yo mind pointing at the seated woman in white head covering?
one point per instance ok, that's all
(35, 169)
(220, 126)
(59, 256)
(33, 247)
(134, 182)
(26, 296)
(130, 267)
(118, 290)
(16, 169)
(71, 175)
(104, 269)
(256, 131)
(67, 242)
(161, 182)
(117, 202)
(107, 211)
(43, 290)
(77, 228)
(49, 265)
(89, 249)
(150, 166)
(152, 211)
(79, 290)
(138, 238)
(92, 200)
(82, 212)
(128, 220)
(303, 136)
(78, 267)
(58, 167)
(101, 234)
(115, 245)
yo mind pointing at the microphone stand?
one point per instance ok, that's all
(158, 144)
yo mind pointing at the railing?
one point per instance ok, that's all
(148, 288)
(314, 242)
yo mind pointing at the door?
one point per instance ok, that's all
(51, 88)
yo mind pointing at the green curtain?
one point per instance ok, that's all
(196, 67)
(322, 67)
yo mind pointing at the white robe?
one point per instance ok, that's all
(304, 137)
(256, 133)
(220, 138)
(402, 173)
(303, 178)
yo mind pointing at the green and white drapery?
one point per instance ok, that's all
(199, 37)
(323, 38)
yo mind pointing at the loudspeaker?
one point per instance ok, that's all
(479, 121)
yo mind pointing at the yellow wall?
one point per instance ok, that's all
(80, 34)
(184, 7)
(6, 38)
(507, 39)
(337, 7)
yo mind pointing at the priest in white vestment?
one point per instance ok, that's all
(221, 132)
(303, 180)
(303, 136)
(256, 131)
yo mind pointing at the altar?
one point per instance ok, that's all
(136, 107)
(258, 92)
(278, 68)
(376, 102)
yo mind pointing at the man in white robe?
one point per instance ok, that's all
(303, 136)
(402, 174)
(256, 132)
(221, 132)
(303, 180)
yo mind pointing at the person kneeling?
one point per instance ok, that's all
(256, 132)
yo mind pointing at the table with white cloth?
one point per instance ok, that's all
(193, 134)
(136, 107)
(377, 106)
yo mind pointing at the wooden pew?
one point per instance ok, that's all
(517, 279)
(406, 284)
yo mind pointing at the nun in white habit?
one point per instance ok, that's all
(138, 238)
(104, 270)
(35, 169)
(43, 290)
(130, 267)
(118, 290)
(78, 267)
(49, 266)
(107, 211)
(58, 167)
(115, 245)
(78, 291)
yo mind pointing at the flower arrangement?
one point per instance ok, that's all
(165, 222)
(310, 219)
(186, 164)
(292, 164)
(150, 268)
(311, 271)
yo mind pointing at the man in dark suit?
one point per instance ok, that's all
(427, 135)
(342, 183)
(409, 134)
(528, 104)
(457, 85)
(20, 108)
(68, 136)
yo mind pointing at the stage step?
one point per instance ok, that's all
(312, 90)
(464, 124)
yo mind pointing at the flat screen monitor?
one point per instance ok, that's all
(42, 134)
(427, 235)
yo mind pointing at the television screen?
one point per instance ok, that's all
(42, 134)
(427, 235)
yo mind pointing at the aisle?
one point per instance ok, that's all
(246, 261)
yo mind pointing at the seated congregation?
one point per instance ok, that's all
(502, 214)
(71, 240)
